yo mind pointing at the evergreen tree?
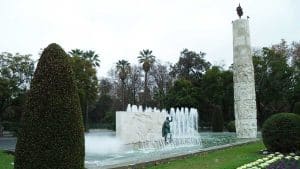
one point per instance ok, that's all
(217, 119)
(52, 128)
(296, 109)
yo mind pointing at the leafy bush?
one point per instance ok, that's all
(281, 132)
(231, 126)
(296, 109)
(217, 119)
(110, 120)
(52, 134)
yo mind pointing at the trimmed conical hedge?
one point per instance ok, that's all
(52, 135)
(296, 109)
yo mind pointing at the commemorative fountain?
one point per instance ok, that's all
(138, 137)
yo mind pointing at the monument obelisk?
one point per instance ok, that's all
(243, 79)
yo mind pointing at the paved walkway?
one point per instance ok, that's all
(8, 143)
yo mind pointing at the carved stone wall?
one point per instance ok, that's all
(136, 125)
(139, 126)
(244, 83)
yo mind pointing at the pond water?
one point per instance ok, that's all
(104, 150)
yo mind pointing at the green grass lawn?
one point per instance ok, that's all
(6, 160)
(229, 158)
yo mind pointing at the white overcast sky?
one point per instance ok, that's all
(119, 29)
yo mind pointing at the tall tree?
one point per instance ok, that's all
(216, 91)
(162, 82)
(92, 57)
(273, 79)
(147, 59)
(105, 86)
(76, 52)
(123, 68)
(135, 84)
(182, 94)
(16, 72)
(52, 130)
(191, 65)
(84, 68)
(295, 52)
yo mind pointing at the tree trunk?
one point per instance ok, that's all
(87, 117)
(146, 89)
(123, 96)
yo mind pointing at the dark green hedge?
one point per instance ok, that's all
(51, 135)
(296, 109)
(281, 132)
(217, 119)
(231, 126)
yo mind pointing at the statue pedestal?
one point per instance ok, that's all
(244, 82)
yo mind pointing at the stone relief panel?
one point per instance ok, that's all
(133, 127)
(246, 133)
(240, 41)
(246, 128)
(244, 91)
(245, 109)
(242, 54)
(243, 73)
(249, 123)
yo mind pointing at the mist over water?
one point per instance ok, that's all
(102, 143)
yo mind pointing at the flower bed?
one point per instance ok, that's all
(274, 161)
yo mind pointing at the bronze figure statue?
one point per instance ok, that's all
(239, 11)
(166, 129)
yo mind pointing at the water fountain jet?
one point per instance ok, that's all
(143, 128)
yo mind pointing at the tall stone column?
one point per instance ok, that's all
(244, 83)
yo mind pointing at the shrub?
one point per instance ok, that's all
(296, 109)
(281, 132)
(51, 134)
(231, 126)
(217, 119)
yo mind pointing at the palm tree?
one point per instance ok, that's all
(89, 56)
(147, 59)
(76, 52)
(123, 68)
(92, 57)
(90, 60)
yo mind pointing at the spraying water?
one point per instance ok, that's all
(184, 127)
(102, 142)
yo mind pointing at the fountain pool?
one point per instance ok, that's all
(104, 150)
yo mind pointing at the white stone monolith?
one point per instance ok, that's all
(244, 83)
